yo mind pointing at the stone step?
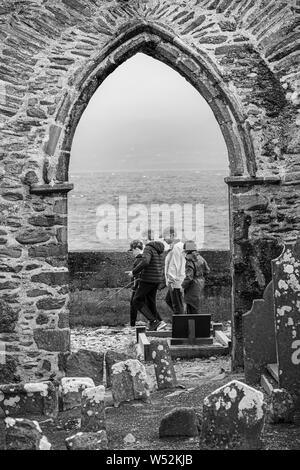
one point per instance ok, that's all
(194, 351)
(273, 370)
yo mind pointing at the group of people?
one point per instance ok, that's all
(167, 262)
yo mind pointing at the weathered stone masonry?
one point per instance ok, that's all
(242, 57)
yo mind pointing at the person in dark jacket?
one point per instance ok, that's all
(136, 247)
(196, 268)
(151, 267)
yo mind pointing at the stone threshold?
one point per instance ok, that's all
(45, 189)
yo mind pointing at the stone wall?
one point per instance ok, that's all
(241, 55)
(105, 271)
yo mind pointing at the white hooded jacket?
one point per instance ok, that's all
(175, 266)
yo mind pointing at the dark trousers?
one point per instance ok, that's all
(190, 310)
(144, 300)
(174, 299)
(133, 310)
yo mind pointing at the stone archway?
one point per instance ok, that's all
(239, 55)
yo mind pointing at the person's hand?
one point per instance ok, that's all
(129, 273)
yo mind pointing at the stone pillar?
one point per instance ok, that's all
(256, 231)
(34, 326)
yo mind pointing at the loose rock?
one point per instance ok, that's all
(180, 422)
(23, 434)
(129, 381)
(87, 441)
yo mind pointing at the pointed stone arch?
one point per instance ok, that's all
(194, 66)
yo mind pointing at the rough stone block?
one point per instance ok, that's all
(163, 365)
(86, 363)
(52, 340)
(71, 389)
(282, 406)
(180, 422)
(129, 381)
(88, 441)
(8, 317)
(93, 409)
(233, 417)
(111, 358)
(19, 400)
(23, 434)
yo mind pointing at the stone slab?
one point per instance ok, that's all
(24, 434)
(259, 336)
(163, 365)
(71, 389)
(87, 441)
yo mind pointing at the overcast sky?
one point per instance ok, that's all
(146, 116)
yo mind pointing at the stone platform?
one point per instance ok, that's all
(195, 351)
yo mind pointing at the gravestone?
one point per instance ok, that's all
(71, 389)
(286, 284)
(129, 381)
(259, 336)
(163, 365)
(191, 329)
(233, 418)
(93, 409)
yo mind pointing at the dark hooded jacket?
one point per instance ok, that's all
(196, 268)
(151, 264)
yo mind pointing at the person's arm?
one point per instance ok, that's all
(206, 268)
(145, 260)
(189, 274)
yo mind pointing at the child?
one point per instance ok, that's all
(195, 270)
(137, 248)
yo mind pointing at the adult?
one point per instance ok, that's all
(196, 268)
(174, 271)
(151, 268)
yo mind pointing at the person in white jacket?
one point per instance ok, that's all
(174, 272)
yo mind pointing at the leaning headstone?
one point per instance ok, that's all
(93, 409)
(86, 363)
(286, 279)
(24, 399)
(87, 441)
(282, 406)
(233, 417)
(259, 336)
(163, 365)
(71, 389)
(111, 358)
(180, 422)
(23, 434)
(129, 381)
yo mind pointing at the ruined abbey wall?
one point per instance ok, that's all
(242, 57)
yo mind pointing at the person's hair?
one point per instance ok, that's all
(169, 232)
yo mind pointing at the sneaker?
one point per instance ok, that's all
(153, 325)
(161, 326)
